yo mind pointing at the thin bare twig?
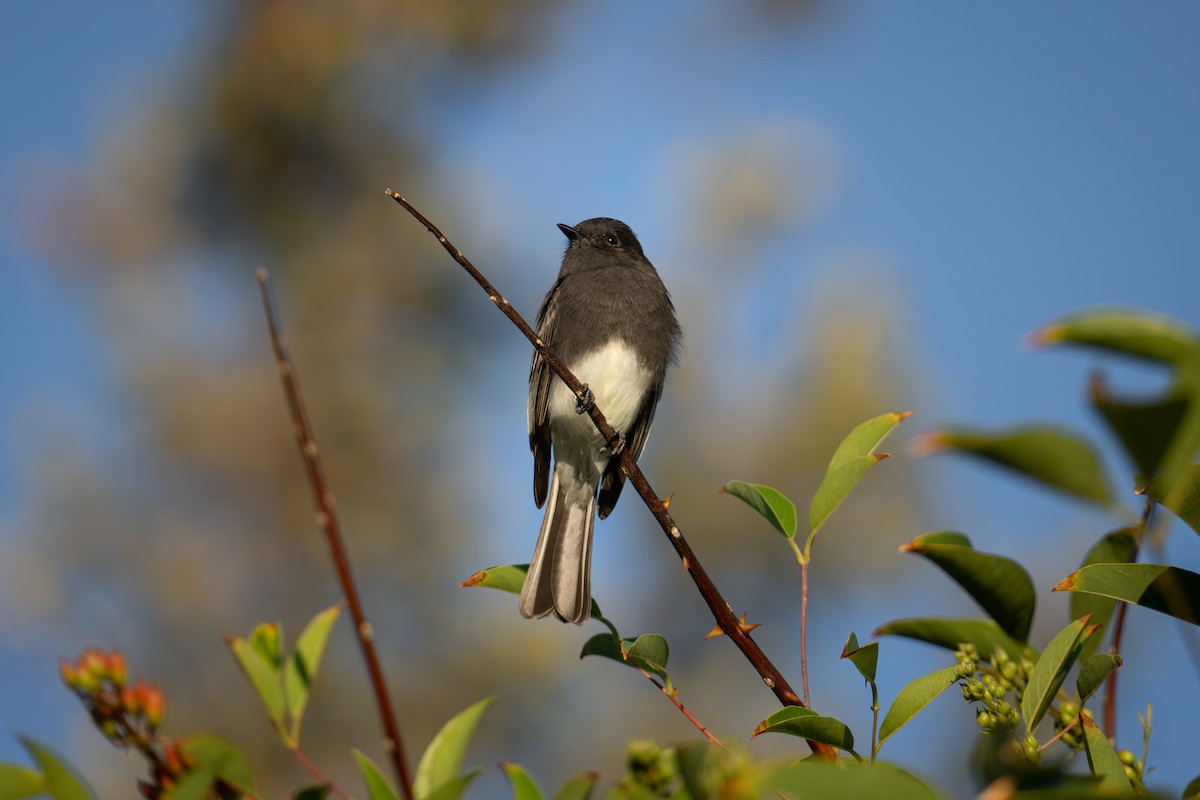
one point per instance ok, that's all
(721, 610)
(327, 520)
(804, 628)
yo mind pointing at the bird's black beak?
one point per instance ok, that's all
(568, 231)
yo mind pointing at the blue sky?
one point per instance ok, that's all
(1008, 163)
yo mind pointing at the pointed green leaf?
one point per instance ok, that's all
(508, 578)
(605, 645)
(1050, 669)
(863, 440)
(1144, 427)
(821, 780)
(774, 507)
(950, 633)
(524, 787)
(1192, 790)
(443, 758)
(1092, 672)
(1000, 585)
(302, 665)
(914, 697)
(1168, 590)
(18, 782)
(807, 724)
(263, 676)
(578, 787)
(1130, 331)
(60, 780)
(834, 488)
(454, 788)
(865, 659)
(267, 641)
(1183, 500)
(852, 460)
(1117, 547)
(377, 786)
(1052, 456)
(1104, 762)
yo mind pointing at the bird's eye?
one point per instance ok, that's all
(612, 239)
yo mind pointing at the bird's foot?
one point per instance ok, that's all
(619, 446)
(584, 402)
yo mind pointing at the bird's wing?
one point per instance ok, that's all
(540, 381)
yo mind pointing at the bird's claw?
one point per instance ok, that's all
(584, 402)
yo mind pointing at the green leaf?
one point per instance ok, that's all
(1130, 331)
(18, 782)
(820, 780)
(1192, 790)
(264, 677)
(807, 724)
(1104, 762)
(220, 759)
(302, 665)
(865, 659)
(1000, 585)
(1144, 427)
(1092, 672)
(1168, 590)
(853, 458)
(377, 786)
(865, 437)
(914, 697)
(1116, 547)
(267, 641)
(1052, 456)
(444, 756)
(834, 488)
(774, 507)
(578, 787)
(1183, 499)
(454, 788)
(1050, 670)
(508, 578)
(523, 786)
(950, 633)
(61, 782)
(648, 651)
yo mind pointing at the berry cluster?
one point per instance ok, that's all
(127, 714)
(1002, 677)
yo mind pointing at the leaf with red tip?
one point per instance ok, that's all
(1167, 590)
(1052, 456)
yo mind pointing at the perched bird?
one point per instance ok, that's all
(610, 319)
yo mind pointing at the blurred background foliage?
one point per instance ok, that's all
(186, 515)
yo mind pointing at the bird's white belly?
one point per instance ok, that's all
(618, 382)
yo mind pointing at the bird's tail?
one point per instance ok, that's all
(559, 581)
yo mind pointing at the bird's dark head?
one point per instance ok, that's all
(602, 233)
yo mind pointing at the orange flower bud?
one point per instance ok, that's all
(130, 701)
(115, 667)
(70, 676)
(150, 698)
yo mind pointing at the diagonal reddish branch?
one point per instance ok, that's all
(721, 611)
(327, 519)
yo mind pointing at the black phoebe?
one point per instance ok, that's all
(610, 319)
